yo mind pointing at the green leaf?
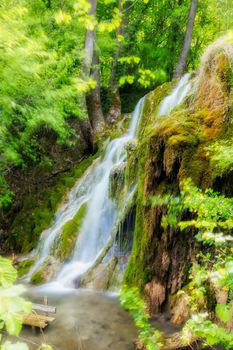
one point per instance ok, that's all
(14, 324)
(17, 346)
(8, 274)
(224, 312)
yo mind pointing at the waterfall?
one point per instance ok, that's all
(176, 97)
(93, 189)
(101, 216)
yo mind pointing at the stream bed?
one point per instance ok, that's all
(85, 320)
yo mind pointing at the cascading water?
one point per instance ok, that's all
(93, 190)
(100, 218)
(77, 197)
(176, 97)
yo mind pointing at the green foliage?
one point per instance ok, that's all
(223, 311)
(221, 157)
(213, 272)
(175, 207)
(209, 331)
(131, 300)
(17, 346)
(214, 224)
(12, 305)
(39, 93)
(129, 79)
(158, 42)
(28, 102)
(214, 214)
(129, 60)
(41, 57)
(5, 194)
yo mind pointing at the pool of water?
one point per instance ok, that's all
(85, 320)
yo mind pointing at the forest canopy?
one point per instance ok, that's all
(45, 71)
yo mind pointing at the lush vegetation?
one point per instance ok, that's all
(69, 69)
(148, 338)
(12, 307)
(211, 275)
(42, 53)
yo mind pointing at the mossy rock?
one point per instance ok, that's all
(169, 150)
(38, 277)
(117, 177)
(48, 270)
(24, 266)
(70, 233)
(99, 278)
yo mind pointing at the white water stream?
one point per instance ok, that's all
(176, 97)
(93, 189)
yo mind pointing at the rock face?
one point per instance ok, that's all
(48, 270)
(179, 308)
(99, 277)
(171, 149)
(117, 178)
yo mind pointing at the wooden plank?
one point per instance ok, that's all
(44, 308)
(36, 320)
(35, 323)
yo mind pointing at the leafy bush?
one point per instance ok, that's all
(12, 307)
(150, 339)
(211, 216)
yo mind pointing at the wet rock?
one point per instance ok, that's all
(179, 308)
(49, 269)
(99, 277)
(156, 293)
(24, 266)
(117, 177)
(131, 146)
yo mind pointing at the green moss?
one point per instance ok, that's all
(70, 232)
(136, 274)
(117, 177)
(24, 266)
(164, 144)
(151, 106)
(38, 278)
(171, 149)
(138, 271)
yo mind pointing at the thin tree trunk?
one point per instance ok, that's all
(115, 108)
(89, 42)
(96, 112)
(181, 66)
(85, 123)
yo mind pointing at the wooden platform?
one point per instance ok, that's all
(38, 320)
(44, 308)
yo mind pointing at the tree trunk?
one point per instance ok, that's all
(96, 117)
(181, 66)
(96, 112)
(115, 108)
(85, 124)
(89, 42)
